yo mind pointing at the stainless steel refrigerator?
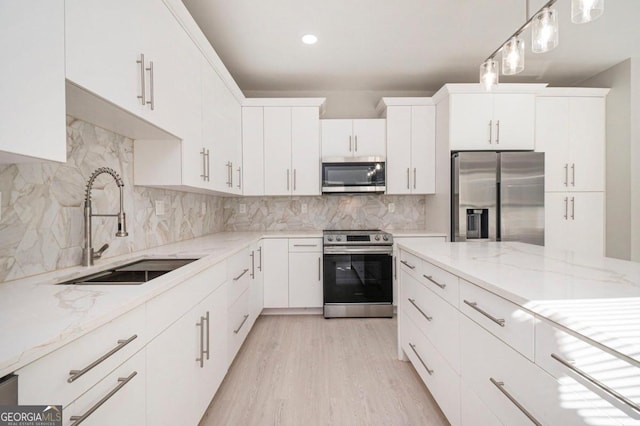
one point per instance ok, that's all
(497, 196)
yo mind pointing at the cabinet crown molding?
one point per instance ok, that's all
(573, 92)
(450, 89)
(385, 102)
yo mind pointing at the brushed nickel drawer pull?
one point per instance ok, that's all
(240, 276)
(413, 348)
(152, 90)
(597, 383)
(237, 330)
(500, 386)
(474, 305)
(430, 278)
(142, 96)
(123, 381)
(253, 265)
(75, 374)
(260, 258)
(413, 302)
(407, 264)
(201, 358)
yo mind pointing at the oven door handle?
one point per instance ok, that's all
(358, 250)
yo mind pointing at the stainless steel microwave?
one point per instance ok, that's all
(353, 175)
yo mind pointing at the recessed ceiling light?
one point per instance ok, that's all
(309, 39)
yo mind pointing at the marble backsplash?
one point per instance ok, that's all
(326, 212)
(41, 227)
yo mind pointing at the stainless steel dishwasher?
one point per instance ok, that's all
(9, 390)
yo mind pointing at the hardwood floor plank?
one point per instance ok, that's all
(306, 370)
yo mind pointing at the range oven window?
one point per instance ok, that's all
(353, 174)
(357, 278)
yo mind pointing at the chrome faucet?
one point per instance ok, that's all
(87, 252)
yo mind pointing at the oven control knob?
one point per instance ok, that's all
(377, 237)
(329, 238)
(338, 238)
(385, 238)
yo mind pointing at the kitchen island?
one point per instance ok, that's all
(556, 331)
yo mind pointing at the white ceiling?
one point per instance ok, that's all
(403, 44)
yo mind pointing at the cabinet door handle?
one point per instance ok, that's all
(573, 174)
(498, 132)
(408, 173)
(566, 174)
(414, 177)
(75, 374)
(240, 276)
(200, 359)
(237, 330)
(413, 302)
(253, 265)
(294, 179)
(573, 208)
(122, 381)
(259, 258)
(319, 269)
(407, 264)
(229, 173)
(430, 278)
(142, 95)
(204, 164)
(152, 101)
(490, 131)
(356, 139)
(597, 383)
(413, 348)
(239, 177)
(500, 386)
(566, 208)
(287, 179)
(474, 305)
(206, 319)
(208, 166)
(350, 143)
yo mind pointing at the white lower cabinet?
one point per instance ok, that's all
(187, 362)
(473, 411)
(256, 294)
(276, 273)
(435, 371)
(118, 399)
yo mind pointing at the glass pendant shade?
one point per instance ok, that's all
(583, 11)
(513, 56)
(544, 32)
(489, 74)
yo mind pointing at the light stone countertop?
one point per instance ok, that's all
(595, 297)
(412, 233)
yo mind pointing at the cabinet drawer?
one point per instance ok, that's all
(410, 263)
(305, 244)
(238, 274)
(555, 348)
(119, 397)
(437, 375)
(473, 411)
(46, 381)
(434, 317)
(443, 283)
(550, 402)
(238, 325)
(499, 316)
(164, 310)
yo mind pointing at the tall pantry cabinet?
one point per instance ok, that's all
(570, 130)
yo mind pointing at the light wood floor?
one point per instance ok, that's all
(306, 370)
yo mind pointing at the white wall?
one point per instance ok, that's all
(622, 158)
(341, 103)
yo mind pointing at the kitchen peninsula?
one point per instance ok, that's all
(511, 333)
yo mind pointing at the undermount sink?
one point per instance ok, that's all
(134, 273)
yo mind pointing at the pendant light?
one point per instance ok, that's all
(583, 11)
(489, 74)
(544, 32)
(513, 56)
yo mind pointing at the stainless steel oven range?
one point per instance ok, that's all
(358, 279)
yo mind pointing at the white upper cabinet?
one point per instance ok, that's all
(410, 149)
(33, 88)
(480, 121)
(253, 150)
(291, 151)
(353, 138)
(571, 133)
